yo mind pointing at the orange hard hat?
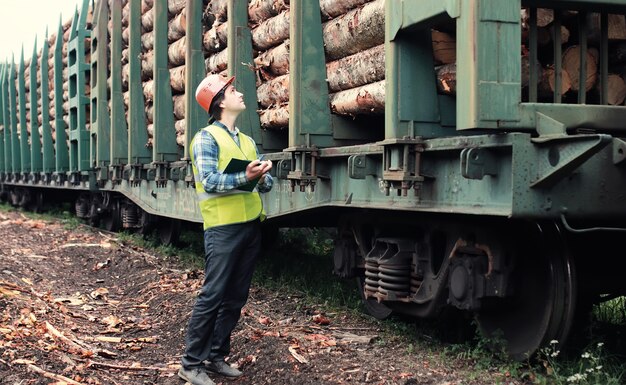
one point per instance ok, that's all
(209, 87)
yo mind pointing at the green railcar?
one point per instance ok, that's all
(495, 198)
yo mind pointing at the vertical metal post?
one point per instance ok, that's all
(61, 147)
(6, 114)
(138, 153)
(195, 116)
(77, 70)
(240, 62)
(99, 116)
(23, 138)
(309, 112)
(533, 76)
(16, 159)
(558, 78)
(2, 122)
(35, 136)
(604, 58)
(119, 127)
(165, 148)
(582, 43)
(46, 129)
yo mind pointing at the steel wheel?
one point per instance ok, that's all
(374, 308)
(112, 218)
(542, 308)
(169, 230)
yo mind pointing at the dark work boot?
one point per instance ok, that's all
(221, 367)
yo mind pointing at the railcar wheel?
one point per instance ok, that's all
(542, 307)
(374, 308)
(169, 230)
(112, 219)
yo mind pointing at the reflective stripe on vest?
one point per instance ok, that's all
(234, 206)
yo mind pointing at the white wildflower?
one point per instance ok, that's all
(600, 344)
(578, 377)
(598, 367)
(554, 342)
(555, 353)
(585, 355)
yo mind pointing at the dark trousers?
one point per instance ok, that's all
(230, 255)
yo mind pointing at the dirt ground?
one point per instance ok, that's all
(80, 307)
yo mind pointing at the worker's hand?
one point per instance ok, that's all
(257, 168)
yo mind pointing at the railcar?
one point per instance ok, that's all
(491, 183)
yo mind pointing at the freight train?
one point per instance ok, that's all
(469, 152)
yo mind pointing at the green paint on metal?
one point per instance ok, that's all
(165, 148)
(138, 153)
(119, 127)
(411, 102)
(36, 165)
(6, 115)
(402, 14)
(3, 161)
(195, 116)
(23, 129)
(16, 159)
(61, 148)
(488, 70)
(78, 70)
(99, 111)
(241, 66)
(46, 130)
(309, 111)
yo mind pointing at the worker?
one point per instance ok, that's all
(232, 212)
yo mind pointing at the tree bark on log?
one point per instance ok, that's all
(177, 78)
(179, 106)
(177, 27)
(355, 31)
(176, 52)
(333, 8)
(218, 8)
(147, 41)
(274, 92)
(273, 62)
(274, 118)
(261, 10)
(446, 79)
(147, 20)
(571, 65)
(271, 32)
(368, 99)
(215, 39)
(356, 70)
(217, 63)
(174, 7)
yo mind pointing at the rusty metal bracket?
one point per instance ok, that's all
(401, 164)
(359, 166)
(478, 162)
(303, 171)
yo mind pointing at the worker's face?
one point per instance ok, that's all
(233, 100)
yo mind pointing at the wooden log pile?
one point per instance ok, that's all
(353, 34)
(571, 52)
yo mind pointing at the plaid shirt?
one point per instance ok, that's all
(206, 154)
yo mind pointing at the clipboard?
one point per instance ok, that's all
(238, 165)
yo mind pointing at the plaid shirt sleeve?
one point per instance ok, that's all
(206, 152)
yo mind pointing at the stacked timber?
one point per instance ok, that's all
(353, 35)
(571, 52)
(177, 24)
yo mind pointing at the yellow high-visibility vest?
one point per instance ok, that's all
(234, 206)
